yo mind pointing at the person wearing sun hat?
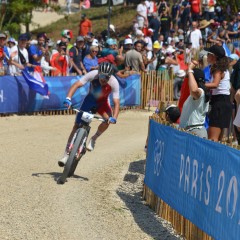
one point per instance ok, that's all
(152, 56)
(221, 107)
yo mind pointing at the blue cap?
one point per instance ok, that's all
(12, 40)
(23, 36)
(234, 56)
(111, 41)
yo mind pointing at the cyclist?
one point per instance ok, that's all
(102, 83)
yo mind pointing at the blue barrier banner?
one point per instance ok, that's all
(16, 97)
(196, 177)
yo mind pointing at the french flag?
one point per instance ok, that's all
(36, 81)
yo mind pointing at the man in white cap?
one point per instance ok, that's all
(111, 34)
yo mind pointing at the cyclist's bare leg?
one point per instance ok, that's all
(103, 126)
(101, 129)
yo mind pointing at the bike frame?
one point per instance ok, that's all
(77, 146)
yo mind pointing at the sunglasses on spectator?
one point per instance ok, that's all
(94, 51)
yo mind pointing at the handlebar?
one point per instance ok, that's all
(92, 115)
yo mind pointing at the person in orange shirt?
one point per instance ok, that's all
(59, 61)
(85, 26)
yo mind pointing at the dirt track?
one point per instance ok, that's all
(103, 200)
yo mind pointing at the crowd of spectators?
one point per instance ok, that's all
(162, 37)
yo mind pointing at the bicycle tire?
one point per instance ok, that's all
(72, 162)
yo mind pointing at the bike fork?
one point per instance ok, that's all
(81, 149)
(72, 142)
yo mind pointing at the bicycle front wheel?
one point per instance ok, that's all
(72, 161)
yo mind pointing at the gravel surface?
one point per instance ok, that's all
(102, 201)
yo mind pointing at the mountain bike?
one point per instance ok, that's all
(77, 146)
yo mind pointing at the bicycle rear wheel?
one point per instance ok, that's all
(72, 161)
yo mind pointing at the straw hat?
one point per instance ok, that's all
(204, 23)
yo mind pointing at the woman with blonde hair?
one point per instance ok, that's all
(90, 61)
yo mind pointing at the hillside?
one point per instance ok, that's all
(121, 18)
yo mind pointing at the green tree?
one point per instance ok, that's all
(16, 12)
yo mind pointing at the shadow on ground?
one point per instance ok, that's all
(131, 193)
(56, 175)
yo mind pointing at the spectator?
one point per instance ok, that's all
(235, 90)
(19, 59)
(68, 6)
(142, 14)
(180, 45)
(221, 107)
(155, 25)
(209, 9)
(128, 44)
(166, 25)
(153, 56)
(175, 12)
(220, 16)
(139, 36)
(178, 80)
(196, 106)
(76, 57)
(161, 40)
(188, 53)
(152, 8)
(90, 62)
(111, 34)
(85, 26)
(36, 52)
(89, 39)
(203, 25)
(233, 30)
(60, 61)
(195, 37)
(148, 39)
(185, 11)
(162, 7)
(85, 4)
(223, 36)
(213, 33)
(4, 54)
(196, 9)
(134, 59)
(110, 49)
(67, 36)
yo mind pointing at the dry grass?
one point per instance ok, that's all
(121, 18)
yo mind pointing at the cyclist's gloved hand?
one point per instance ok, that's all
(112, 120)
(67, 102)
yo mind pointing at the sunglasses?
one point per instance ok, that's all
(104, 77)
(94, 51)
